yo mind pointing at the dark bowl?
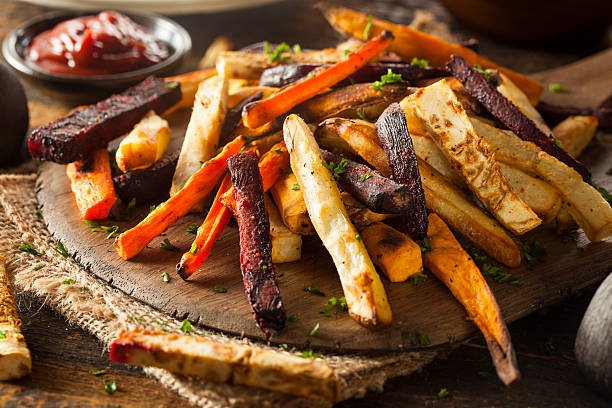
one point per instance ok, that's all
(173, 35)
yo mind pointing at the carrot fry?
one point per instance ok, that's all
(92, 185)
(260, 112)
(270, 166)
(456, 269)
(132, 241)
(217, 218)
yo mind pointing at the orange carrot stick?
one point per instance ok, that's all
(92, 185)
(257, 113)
(217, 218)
(270, 166)
(132, 241)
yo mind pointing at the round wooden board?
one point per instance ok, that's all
(428, 308)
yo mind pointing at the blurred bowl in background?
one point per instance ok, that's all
(530, 20)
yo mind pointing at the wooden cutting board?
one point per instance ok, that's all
(428, 308)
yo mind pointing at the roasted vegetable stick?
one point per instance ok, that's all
(234, 115)
(360, 215)
(255, 245)
(203, 131)
(92, 185)
(258, 113)
(555, 114)
(575, 133)
(449, 126)
(15, 359)
(240, 94)
(220, 44)
(288, 197)
(189, 86)
(216, 220)
(363, 289)
(396, 254)
(410, 43)
(132, 241)
(514, 94)
(507, 113)
(396, 142)
(144, 145)
(227, 363)
(449, 262)
(286, 245)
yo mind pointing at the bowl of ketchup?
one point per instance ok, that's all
(104, 49)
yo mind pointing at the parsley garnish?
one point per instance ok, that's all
(443, 393)
(556, 88)
(97, 372)
(29, 248)
(276, 55)
(248, 140)
(555, 140)
(38, 213)
(367, 29)
(111, 230)
(314, 291)
(388, 78)
(358, 237)
(277, 150)
(314, 330)
(172, 84)
(604, 193)
(38, 267)
(486, 73)
(347, 52)
(423, 339)
(165, 277)
(534, 251)
(167, 246)
(426, 246)
(152, 207)
(310, 354)
(495, 272)
(293, 318)
(338, 303)
(405, 335)
(194, 249)
(336, 169)
(110, 386)
(68, 282)
(418, 278)
(2, 335)
(193, 228)
(90, 223)
(325, 312)
(219, 289)
(297, 48)
(296, 186)
(140, 319)
(365, 177)
(128, 214)
(421, 63)
(61, 250)
(363, 117)
(162, 324)
(186, 327)
(284, 346)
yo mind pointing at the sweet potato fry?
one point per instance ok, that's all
(410, 43)
(258, 113)
(217, 218)
(255, 245)
(92, 185)
(132, 241)
(449, 262)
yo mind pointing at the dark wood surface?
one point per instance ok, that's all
(63, 355)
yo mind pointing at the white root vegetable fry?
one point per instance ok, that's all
(575, 133)
(518, 97)
(448, 125)
(144, 145)
(15, 359)
(227, 363)
(189, 86)
(286, 245)
(363, 289)
(203, 131)
(288, 198)
(220, 44)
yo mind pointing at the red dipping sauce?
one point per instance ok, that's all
(108, 43)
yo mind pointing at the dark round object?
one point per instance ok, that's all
(594, 340)
(14, 116)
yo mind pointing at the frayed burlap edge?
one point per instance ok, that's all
(105, 311)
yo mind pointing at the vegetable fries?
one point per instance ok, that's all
(363, 289)
(144, 145)
(286, 245)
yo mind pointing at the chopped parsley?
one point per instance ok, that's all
(367, 29)
(2, 335)
(388, 78)
(165, 277)
(297, 48)
(284, 346)
(534, 252)
(310, 354)
(162, 324)
(548, 346)
(417, 279)
(111, 230)
(426, 245)
(38, 213)
(325, 312)
(336, 169)
(405, 335)
(555, 140)
(365, 177)
(443, 393)
(296, 186)
(486, 73)
(604, 193)
(29, 248)
(97, 372)
(90, 223)
(110, 386)
(38, 267)
(61, 250)
(219, 289)
(276, 55)
(186, 327)
(314, 330)
(129, 212)
(167, 246)
(293, 318)
(423, 339)
(194, 249)
(556, 88)
(172, 84)
(363, 117)
(314, 291)
(140, 319)
(68, 282)
(358, 237)
(347, 52)
(277, 150)
(248, 140)
(421, 63)
(152, 207)
(193, 228)
(338, 303)
(495, 272)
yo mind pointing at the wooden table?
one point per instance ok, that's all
(63, 355)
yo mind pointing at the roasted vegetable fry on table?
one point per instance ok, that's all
(575, 133)
(289, 200)
(395, 253)
(449, 262)
(234, 115)
(86, 130)
(203, 131)
(92, 185)
(449, 126)
(15, 359)
(144, 145)
(363, 289)
(258, 113)
(132, 241)
(220, 44)
(215, 222)
(396, 142)
(150, 185)
(286, 244)
(227, 363)
(360, 215)
(508, 114)
(410, 43)
(189, 86)
(258, 271)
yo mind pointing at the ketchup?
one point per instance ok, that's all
(108, 43)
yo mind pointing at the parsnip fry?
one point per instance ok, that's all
(575, 133)
(518, 98)
(286, 245)
(144, 145)
(189, 86)
(227, 363)
(449, 262)
(288, 198)
(15, 359)
(363, 289)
